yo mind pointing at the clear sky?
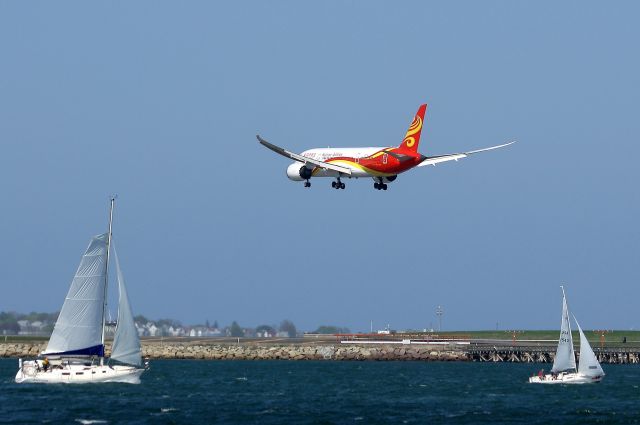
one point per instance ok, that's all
(160, 102)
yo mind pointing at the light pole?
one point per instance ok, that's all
(439, 313)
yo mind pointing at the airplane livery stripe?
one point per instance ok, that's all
(360, 167)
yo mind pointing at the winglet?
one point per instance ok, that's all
(273, 147)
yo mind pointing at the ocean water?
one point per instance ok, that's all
(325, 392)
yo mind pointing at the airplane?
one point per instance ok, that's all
(379, 163)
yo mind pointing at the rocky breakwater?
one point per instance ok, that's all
(21, 349)
(245, 351)
(300, 352)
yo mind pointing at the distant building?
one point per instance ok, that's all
(171, 331)
(36, 327)
(152, 329)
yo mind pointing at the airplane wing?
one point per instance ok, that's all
(304, 159)
(433, 160)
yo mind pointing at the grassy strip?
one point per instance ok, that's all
(613, 336)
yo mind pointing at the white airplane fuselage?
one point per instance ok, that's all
(325, 154)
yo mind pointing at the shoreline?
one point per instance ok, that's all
(324, 349)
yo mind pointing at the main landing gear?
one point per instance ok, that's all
(338, 184)
(380, 185)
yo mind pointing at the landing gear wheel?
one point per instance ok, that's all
(342, 185)
(307, 184)
(380, 184)
(333, 185)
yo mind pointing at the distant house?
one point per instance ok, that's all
(265, 331)
(177, 331)
(152, 329)
(36, 327)
(195, 332)
(147, 329)
(213, 332)
(23, 327)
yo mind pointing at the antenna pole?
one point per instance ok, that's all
(439, 313)
(112, 200)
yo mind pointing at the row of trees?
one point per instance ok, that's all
(324, 329)
(286, 326)
(9, 320)
(9, 323)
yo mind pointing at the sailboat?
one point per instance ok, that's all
(75, 352)
(564, 369)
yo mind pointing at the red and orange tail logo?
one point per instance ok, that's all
(412, 138)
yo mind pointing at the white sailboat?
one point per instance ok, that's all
(564, 369)
(75, 352)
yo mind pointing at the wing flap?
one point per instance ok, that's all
(301, 158)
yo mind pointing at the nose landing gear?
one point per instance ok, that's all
(307, 184)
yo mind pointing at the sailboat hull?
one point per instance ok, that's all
(565, 378)
(33, 372)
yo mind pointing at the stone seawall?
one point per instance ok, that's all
(268, 352)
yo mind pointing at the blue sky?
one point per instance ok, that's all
(160, 102)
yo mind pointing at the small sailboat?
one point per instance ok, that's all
(564, 369)
(76, 350)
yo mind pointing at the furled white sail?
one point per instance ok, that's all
(78, 330)
(588, 365)
(126, 343)
(565, 358)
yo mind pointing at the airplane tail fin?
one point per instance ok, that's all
(412, 138)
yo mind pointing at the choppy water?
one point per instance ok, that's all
(263, 392)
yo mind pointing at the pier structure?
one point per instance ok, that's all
(545, 354)
(496, 350)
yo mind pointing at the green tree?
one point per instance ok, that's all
(236, 330)
(324, 329)
(9, 323)
(288, 327)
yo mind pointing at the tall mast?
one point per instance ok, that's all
(564, 300)
(112, 200)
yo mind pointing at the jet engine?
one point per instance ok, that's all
(298, 172)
